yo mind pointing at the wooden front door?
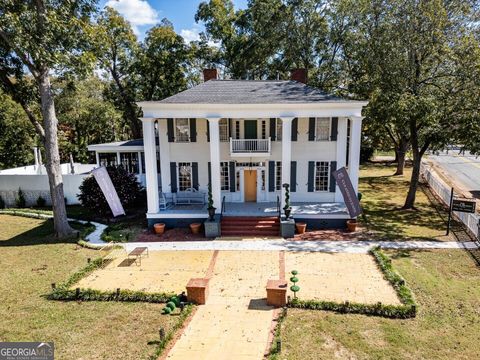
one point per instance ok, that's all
(250, 129)
(250, 185)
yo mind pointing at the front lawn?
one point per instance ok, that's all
(384, 195)
(30, 261)
(446, 284)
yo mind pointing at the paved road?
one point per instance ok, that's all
(461, 169)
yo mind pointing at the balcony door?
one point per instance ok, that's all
(250, 129)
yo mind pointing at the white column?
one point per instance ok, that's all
(286, 153)
(341, 152)
(164, 148)
(214, 128)
(150, 164)
(119, 161)
(354, 157)
(97, 158)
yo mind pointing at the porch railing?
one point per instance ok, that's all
(251, 146)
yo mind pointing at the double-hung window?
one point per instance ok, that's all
(184, 176)
(182, 130)
(223, 128)
(278, 176)
(322, 129)
(322, 175)
(224, 176)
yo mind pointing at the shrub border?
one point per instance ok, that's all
(277, 335)
(408, 308)
(64, 292)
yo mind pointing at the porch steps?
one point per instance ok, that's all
(250, 226)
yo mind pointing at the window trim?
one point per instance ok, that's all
(226, 124)
(176, 129)
(329, 128)
(327, 175)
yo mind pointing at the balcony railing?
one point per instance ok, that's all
(250, 147)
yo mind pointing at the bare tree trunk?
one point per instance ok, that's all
(400, 154)
(50, 123)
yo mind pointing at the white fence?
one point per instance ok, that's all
(443, 191)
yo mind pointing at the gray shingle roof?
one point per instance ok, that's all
(250, 92)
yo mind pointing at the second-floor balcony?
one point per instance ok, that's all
(250, 147)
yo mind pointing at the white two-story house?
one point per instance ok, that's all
(247, 138)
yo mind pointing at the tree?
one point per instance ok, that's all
(17, 135)
(405, 56)
(85, 117)
(42, 37)
(115, 46)
(160, 63)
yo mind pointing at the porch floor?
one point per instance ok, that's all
(263, 209)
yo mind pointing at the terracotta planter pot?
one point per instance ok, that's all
(352, 225)
(195, 228)
(301, 227)
(159, 228)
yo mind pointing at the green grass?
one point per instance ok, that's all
(446, 284)
(30, 261)
(123, 231)
(383, 197)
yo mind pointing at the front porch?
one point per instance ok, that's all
(319, 215)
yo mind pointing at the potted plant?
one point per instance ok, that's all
(352, 225)
(159, 228)
(211, 209)
(301, 227)
(287, 209)
(195, 228)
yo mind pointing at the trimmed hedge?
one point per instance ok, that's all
(64, 291)
(408, 309)
(274, 350)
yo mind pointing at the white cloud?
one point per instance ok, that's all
(137, 12)
(189, 35)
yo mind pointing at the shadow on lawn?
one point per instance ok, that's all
(43, 234)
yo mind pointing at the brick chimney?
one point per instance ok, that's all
(299, 75)
(209, 74)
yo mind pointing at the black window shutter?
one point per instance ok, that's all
(193, 130)
(208, 130)
(273, 128)
(311, 129)
(293, 176)
(311, 176)
(295, 129)
(333, 167)
(195, 175)
(170, 130)
(232, 175)
(173, 177)
(334, 129)
(271, 176)
(229, 122)
(209, 173)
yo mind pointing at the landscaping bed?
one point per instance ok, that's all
(446, 284)
(31, 261)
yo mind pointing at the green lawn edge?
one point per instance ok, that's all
(408, 308)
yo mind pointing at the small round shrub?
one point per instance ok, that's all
(175, 300)
(41, 202)
(2, 203)
(171, 305)
(166, 310)
(128, 189)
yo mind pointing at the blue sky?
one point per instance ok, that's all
(143, 14)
